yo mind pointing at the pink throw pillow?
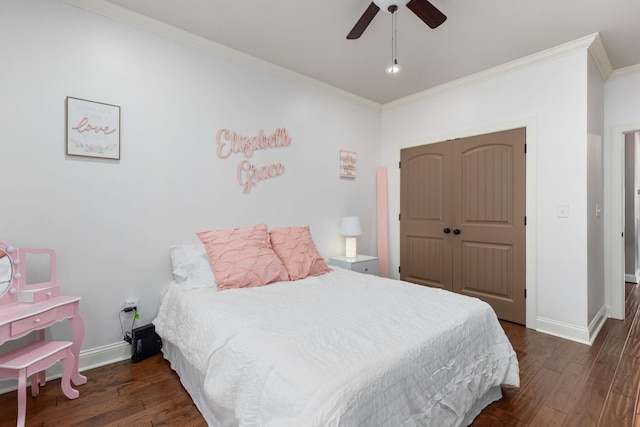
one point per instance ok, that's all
(242, 257)
(295, 247)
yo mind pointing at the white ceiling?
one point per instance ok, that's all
(309, 37)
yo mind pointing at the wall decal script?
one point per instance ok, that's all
(230, 142)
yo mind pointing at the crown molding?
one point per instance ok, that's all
(581, 44)
(599, 55)
(632, 69)
(126, 16)
(592, 43)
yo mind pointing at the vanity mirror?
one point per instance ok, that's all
(27, 275)
(5, 271)
(37, 271)
(8, 263)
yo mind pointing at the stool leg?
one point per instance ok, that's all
(22, 397)
(35, 380)
(69, 366)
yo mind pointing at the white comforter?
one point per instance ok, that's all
(340, 349)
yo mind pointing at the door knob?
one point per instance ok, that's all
(456, 231)
(447, 230)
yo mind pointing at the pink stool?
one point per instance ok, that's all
(32, 360)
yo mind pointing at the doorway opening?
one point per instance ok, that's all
(631, 206)
(616, 225)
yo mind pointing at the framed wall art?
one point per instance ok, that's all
(348, 163)
(93, 129)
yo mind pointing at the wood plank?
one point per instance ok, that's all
(632, 346)
(565, 353)
(618, 411)
(627, 378)
(507, 420)
(527, 403)
(564, 397)
(590, 404)
(605, 367)
(548, 417)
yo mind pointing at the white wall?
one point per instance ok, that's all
(111, 222)
(595, 230)
(550, 99)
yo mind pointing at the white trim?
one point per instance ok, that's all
(532, 225)
(563, 330)
(632, 69)
(530, 124)
(572, 332)
(89, 359)
(633, 278)
(584, 43)
(119, 13)
(600, 57)
(597, 323)
(104, 355)
(616, 220)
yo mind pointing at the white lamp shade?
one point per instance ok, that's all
(350, 226)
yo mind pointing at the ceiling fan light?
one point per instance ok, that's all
(384, 4)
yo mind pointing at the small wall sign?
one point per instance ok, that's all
(348, 163)
(93, 129)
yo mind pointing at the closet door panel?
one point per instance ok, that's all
(489, 206)
(425, 249)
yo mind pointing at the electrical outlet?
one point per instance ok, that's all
(131, 303)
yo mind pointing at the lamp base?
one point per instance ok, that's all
(351, 248)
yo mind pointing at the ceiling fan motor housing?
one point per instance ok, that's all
(386, 5)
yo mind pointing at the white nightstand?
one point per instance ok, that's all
(362, 263)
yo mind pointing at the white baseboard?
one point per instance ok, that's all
(631, 278)
(597, 323)
(89, 359)
(572, 332)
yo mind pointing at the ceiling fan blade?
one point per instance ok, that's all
(427, 12)
(363, 22)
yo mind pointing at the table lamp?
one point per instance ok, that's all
(351, 228)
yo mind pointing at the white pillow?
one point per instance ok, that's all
(190, 265)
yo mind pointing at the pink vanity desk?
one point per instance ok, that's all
(34, 307)
(20, 318)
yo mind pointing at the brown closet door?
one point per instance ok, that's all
(483, 204)
(426, 210)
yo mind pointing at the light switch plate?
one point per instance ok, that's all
(562, 211)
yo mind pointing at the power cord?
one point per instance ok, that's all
(128, 336)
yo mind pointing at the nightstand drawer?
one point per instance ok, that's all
(366, 267)
(33, 322)
(362, 264)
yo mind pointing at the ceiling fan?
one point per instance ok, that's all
(422, 8)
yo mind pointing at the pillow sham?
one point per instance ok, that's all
(190, 266)
(242, 257)
(295, 247)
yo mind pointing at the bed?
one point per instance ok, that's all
(335, 349)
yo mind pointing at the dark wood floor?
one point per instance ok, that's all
(563, 383)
